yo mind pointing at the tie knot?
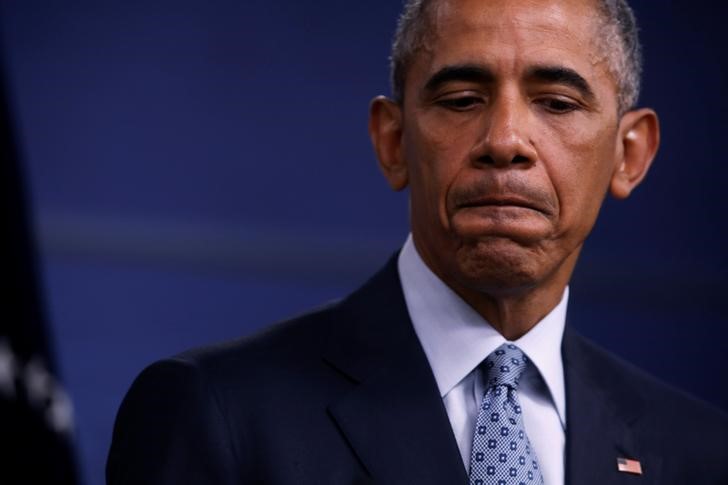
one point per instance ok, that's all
(505, 366)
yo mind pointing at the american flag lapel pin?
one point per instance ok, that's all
(629, 466)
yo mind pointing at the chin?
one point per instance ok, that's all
(498, 266)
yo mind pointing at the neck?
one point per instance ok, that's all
(514, 311)
(516, 314)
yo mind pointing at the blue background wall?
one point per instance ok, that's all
(201, 169)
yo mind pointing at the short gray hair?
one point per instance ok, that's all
(618, 31)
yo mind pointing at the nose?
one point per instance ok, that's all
(504, 140)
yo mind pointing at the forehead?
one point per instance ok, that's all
(510, 35)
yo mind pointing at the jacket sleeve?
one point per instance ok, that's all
(171, 429)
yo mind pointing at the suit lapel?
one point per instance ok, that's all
(601, 413)
(393, 417)
(395, 422)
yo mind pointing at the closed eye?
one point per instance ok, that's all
(558, 105)
(460, 103)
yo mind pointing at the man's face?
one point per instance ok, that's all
(510, 137)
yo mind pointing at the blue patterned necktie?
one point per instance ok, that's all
(501, 453)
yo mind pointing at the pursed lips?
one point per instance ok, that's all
(503, 201)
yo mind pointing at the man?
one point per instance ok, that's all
(511, 120)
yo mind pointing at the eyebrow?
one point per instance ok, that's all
(460, 72)
(561, 75)
(482, 75)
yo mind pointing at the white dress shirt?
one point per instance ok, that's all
(456, 339)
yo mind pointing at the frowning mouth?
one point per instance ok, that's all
(503, 201)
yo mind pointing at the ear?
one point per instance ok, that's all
(639, 138)
(385, 130)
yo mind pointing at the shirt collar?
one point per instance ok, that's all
(456, 338)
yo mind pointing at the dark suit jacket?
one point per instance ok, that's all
(345, 395)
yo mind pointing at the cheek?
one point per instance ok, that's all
(580, 167)
(445, 138)
(437, 154)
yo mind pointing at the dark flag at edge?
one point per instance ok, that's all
(35, 412)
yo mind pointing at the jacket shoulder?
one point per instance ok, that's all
(197, 411)
(686, 432)
(661, 397)
(269, 351)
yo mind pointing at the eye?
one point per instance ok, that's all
(558, 105)
(460, 103)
